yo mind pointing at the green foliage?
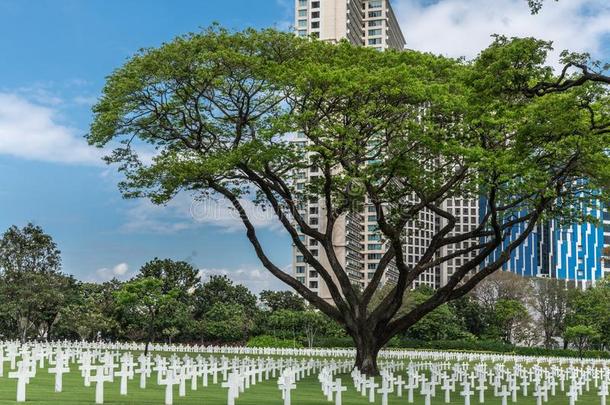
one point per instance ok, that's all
(32, 288)
(221, 290)
(225, 322)
(176, 275)
(272, 341)
(276, 300)
(581, 336)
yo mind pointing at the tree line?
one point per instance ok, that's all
(167, 301)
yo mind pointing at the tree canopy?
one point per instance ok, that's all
(402, 131)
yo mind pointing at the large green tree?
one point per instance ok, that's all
(400, 131)
(275, 300)
(148, 304)
(32, 287)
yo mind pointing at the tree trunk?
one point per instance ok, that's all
(366, 356)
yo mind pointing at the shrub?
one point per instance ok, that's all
(272, 341)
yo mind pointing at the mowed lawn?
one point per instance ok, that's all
(40, 391)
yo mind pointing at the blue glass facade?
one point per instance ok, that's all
(572, 253)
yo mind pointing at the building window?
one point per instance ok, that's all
(315, 4)
(375, 4)
(313, 284)
(301, 280)
(375, 41)
(302, 33)
(303, 13)
(376, 23)
(302, 23)
(315, 24)
(300, 269)
(300, 259)
(302, 3)
(375, 32)
(375, 14)
(315, 14)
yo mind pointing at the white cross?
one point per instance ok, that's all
(372, 385)
(481, 388)
(426, 391)
(399, 384)
(338, 389)
(59, 369)
(23, 378)
(231, 384)
(384, 391)
(603, 393)
(504, 393)
(447, 387)
(124, 374)
(573, 394)
(466, 393)
(99, 379)
(286, 384)
(169, 381)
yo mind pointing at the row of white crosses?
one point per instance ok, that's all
(464, 374)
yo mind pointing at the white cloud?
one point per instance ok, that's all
(119, 271)
(463, 27)
(184, 212)
(256, 279)
(32, 131)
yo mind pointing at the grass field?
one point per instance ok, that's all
(308, 392)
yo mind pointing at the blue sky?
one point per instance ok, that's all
(54, 55)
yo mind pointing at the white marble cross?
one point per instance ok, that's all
(23, 378)
(426, 391)
(504, 394)
(169, 380)
(286, 385)
(385, 389)
(399, 383)
(573, 394)
(467, 393)
(372, 385)
(603, 393)
(124, 374)
(99, 379)
(338, 389)
(447, 387)
(481, 388)
(60, 368)
(232, 385)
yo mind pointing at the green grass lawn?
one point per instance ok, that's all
(308, 392)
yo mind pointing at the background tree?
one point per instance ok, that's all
(175, 275)
(225, 322)
(145, 300)
(550, 301)
(32, 289)
(581, 336)
(380, 128)
(274, 300)
(509, 315)
(222, 290)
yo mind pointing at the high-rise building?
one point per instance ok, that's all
(358, 244)
(574, 253)
(369, 23)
